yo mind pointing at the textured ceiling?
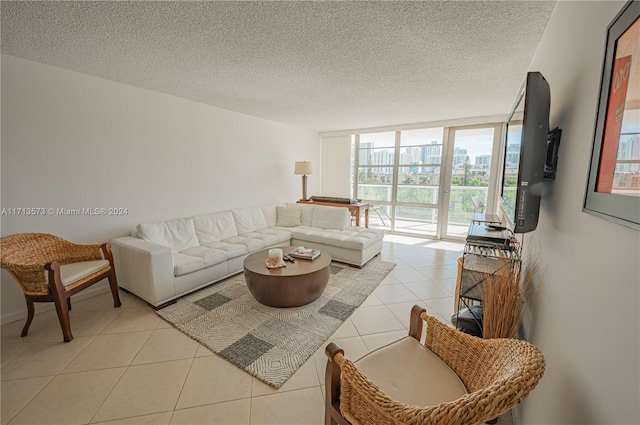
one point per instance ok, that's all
(319, 65)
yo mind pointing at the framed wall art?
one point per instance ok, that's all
(613, 188)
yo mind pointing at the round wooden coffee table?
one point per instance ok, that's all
(295, 285)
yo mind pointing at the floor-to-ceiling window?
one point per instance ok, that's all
(426, 181)
(474, 175)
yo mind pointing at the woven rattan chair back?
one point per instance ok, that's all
(34, 260)
(497, 373)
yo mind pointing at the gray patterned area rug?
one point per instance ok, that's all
(272, 343)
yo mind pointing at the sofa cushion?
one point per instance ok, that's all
(251, 243)
(272, 236)
(308, 233)
(178, 234)
(307, 212)
(271, 214)
(210, 256)
(249, 219)
(214, 227)
(183, 264)
(422, 380)
(357, 238)
(233, 250)
(330, 217)
(289, 216)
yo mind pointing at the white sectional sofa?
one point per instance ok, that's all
(162, 261)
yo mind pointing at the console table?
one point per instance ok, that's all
(356, 209)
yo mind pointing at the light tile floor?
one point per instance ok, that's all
(128, 366)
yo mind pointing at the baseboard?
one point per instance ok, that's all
(42, 307)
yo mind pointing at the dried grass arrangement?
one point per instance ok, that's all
(505, 294)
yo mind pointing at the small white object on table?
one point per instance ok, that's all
(275, 258)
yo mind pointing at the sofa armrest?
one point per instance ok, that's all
(144, 268)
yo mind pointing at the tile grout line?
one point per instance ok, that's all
(127, 367)
(173, 411)
(389, 254)
(52, 377)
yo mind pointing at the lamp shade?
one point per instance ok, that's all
(303, 167)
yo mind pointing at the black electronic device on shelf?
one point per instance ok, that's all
(334, 200)
(491, 234)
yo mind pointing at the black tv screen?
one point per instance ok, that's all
(525, 151)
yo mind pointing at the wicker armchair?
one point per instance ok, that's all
(51, 269)
(494, 376)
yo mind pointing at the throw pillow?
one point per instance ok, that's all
(289, 216)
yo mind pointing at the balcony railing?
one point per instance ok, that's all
(415, 214)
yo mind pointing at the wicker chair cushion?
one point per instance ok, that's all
(410, 373)
(73, 272)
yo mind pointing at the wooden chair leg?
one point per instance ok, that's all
(30, 312)
(69, 303)
(60, 299)
(113, 283)
(63, 317)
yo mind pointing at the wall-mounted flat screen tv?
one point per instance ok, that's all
(525, 152)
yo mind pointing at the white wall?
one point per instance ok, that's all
(71, 141)
(585, 314)
(336, 166)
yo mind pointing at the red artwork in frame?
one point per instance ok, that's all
(613, 187)
(622, 104)
(613, 123)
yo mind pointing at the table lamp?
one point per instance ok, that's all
(303, 168)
